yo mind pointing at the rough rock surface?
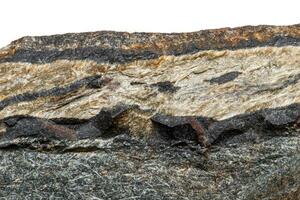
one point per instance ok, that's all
(213, 114)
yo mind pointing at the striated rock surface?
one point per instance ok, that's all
(213, 114)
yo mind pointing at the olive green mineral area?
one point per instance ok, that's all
(212, 114)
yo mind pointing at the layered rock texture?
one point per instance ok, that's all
(213, 114)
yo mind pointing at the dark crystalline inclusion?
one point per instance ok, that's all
(230, 76)
(197, 129)
(165, 87)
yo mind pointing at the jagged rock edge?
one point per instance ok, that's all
(165, 128)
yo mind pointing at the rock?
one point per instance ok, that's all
(213, 114)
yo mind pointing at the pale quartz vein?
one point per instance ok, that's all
(262, 68)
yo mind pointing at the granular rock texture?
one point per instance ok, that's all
(213, 114)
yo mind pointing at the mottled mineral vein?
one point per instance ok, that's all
(154, 102)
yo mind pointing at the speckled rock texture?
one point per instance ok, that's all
(213, 114)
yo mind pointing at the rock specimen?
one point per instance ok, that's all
(213, 114)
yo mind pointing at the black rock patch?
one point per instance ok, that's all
(98, 82)
(264, 121)
(136, 83)
(103, 120)
(111, 55)
(88, 131)
(165, 87)
(230, 76)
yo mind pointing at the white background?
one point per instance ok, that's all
(44, 17)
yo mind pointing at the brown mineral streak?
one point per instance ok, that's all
(200, 131)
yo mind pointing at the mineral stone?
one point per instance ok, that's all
(213, 114)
